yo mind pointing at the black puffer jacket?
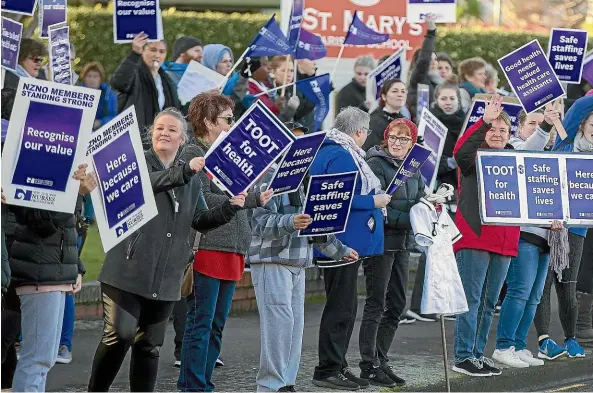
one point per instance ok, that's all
(397, 225)
(454, 124)
(421, 73)
(352, 94)
(45, 248)
(380, 119)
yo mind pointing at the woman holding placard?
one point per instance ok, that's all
(220, 260)
(393, 96)
(141, 277)
(484, 252)
(387, 278)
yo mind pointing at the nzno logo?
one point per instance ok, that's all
(365, 3)
(120, 230)
(24, 195)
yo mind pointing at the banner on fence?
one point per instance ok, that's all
(123, 199)
(47, 135)
(328, 202)
(535, 188)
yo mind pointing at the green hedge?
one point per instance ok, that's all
(91, 30)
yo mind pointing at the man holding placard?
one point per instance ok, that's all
(341, 152)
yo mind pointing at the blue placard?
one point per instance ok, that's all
(566, 52)
(11, 40)
(51, 12)
(248, 150)
(392, 68)
(296, 163)
(133, 17)
(477, 112)
(25, 7)
(435, 134)
(416, 157)
(535, 188)
(531, 76)
(328, 202)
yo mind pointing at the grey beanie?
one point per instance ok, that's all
(184, 43)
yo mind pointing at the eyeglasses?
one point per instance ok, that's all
(37, 60)
(403, 140)
(230, 120)
(368, 130)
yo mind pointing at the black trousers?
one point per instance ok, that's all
(130, 321)
(585, 280)
(337, 320)
(179, 316)
(417, 292)
(11, 326)
(386, 284)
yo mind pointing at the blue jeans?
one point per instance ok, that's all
(482, 275)
(68, 322)
(207, 310)
(525, 286)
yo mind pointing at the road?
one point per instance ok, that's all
(416, 354)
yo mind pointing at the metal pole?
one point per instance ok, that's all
(445, 359)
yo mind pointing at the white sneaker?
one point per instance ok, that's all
(419, 317)
(509, 357)
(527, 357)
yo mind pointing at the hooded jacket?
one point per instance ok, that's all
(136, 86)
(380, 119)
(151, 262)
(398, 227)
(364, 230)
(454, 124)
(500, 239)
(354, 95)
(213, 53)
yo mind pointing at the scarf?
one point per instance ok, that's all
(559, 250)
(370, 182)
(581, 144)
(471, 89)
(20, 71)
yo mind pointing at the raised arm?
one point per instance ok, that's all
(122, 79)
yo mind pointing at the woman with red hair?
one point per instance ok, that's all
(387, 278)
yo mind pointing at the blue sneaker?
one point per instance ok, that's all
(574, 349)
(550, 350)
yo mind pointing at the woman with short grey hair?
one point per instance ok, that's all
(354, 93)
(141, 277)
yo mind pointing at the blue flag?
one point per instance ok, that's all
(270, 41)
(317, 90)
(360, 34)
(310, 46)
(294, 24)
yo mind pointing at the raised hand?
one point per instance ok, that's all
(551, 114)
(197, 164)
(3, 197)
(138, 42)
(302, 221)
(493, 108)
(431, 21)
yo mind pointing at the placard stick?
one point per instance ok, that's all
(331, 76)
(274, 89)
(288, 60)
(295, 76)
(226, 78)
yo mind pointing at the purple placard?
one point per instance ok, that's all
(51, 12)
(566, 52)
(391, 68)
(542, 183)
(588, 69)
(26, 7)
(416, 157)
(477, 112)
(132, 17)
(296, 163)
(11, 40)
(294, 24)
(531, 76)
(59, 54)
(500, 197)
(434, 137)
(579, 173)
(118, 175)
(48, 146)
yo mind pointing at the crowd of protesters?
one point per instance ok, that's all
(141, 278)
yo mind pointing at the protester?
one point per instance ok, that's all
(354, 93)
(341, 152)
(565, 277)
(472, 73)
(185, 49)
(140, 81)
(141, 276)
(387, 275)
(32, 54)
(484, 252)
(305, 114)
(393, 98)
(41, 284)
(218, 58)
(445, 67)
(259, 84)
(279, 280)
(527, 272)
(220, 259)
(424, 66)
(491, 84)
(93, 77)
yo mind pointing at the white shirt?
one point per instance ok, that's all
(158, 81)
(436, 232)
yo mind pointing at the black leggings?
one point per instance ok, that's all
(585, 280)
(130, 320)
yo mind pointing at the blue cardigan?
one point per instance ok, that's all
(107, 108)
(333, 158)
